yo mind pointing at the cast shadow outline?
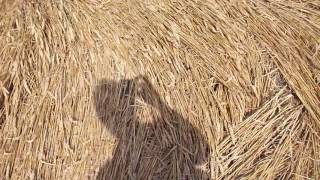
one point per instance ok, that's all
(167, 148)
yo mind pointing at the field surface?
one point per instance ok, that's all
(159, 89)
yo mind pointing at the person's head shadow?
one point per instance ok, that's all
(167, 148)
(115, 101)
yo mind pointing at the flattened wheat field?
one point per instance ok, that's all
(159, 89)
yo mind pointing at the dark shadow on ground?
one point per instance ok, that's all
(2, 114)
(169, 147)
(5, 92)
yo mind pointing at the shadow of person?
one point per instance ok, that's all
(166, 147)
